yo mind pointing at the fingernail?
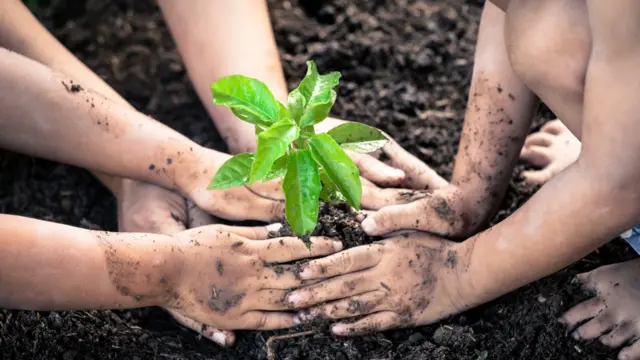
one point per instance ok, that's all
(397, 173)
(305, 274)
(338, 329)
(293, 299)
(369, 226)
(219, 338)
(575, 335)
(337, 246)
(274, 227)
(297, 320)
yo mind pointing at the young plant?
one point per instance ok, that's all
(314, 166)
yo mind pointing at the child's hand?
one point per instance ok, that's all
(400, 282)
(230, 277)
(147, 208)
(259, 201)
(399, 168)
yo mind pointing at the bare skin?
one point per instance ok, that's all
(218, 275)
(551, 150)
(579, 57)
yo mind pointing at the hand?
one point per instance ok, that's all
(260, 201)
(400, 168)
(146, 208)
(400, 282)
(232, 279)
(443, 211)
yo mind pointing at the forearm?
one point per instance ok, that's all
(499, 113)
(568, 218)
(225, 37)
(21, 32)
(49, 266)
(45, 115)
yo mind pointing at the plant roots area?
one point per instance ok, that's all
(406, 69)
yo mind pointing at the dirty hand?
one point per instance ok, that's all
(231, 278)
(401, 282)
(443, 211)
(147, 208)
(259, 201)
(392, 165)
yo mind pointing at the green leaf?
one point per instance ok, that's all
(358, 137)
(330, 192)
(302, 192)
(338, 166)
(249, 99)
(272, 144)
(278, 170)
(312, 100)
(234, 172)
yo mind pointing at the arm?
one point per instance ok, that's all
(21, 32)
(39, 264)
(225, 37)
(214, 274)
(499, 113)
(45, 115)
(595, 199)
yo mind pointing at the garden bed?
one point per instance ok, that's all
(406, 68)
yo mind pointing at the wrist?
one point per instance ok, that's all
(153, 279)
(195, 173)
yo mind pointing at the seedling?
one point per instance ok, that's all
(314, 166)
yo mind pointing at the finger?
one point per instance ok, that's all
(377, 171)
(554, 127)
(630, 352)
(619, 335)
(333, 289)
(348, 261)
(540, 139)
(286, 249)
(252, 232)
(260, 320)
(375, 198)
(584, 311)
(354, 306)
(418, 174)
(270, 190)
(196, 217)
(538, 176)
(536, 155)
(373, 323)
(221, 337)
(261, 209)
(435, 216)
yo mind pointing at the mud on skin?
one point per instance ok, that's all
(398, 59)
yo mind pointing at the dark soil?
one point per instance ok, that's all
(406, 68)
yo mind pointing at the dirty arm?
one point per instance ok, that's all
(225, 37)
(46, 115)
(39, 264)
(21, 32)
(499, 113)
(595, 199)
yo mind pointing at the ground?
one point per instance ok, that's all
(406, 68)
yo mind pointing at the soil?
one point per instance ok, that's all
(406, 68)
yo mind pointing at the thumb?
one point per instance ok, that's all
(223, 338)
(390, 219)
(376, 171)
(538, 176)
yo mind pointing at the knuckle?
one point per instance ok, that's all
(262, 320)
